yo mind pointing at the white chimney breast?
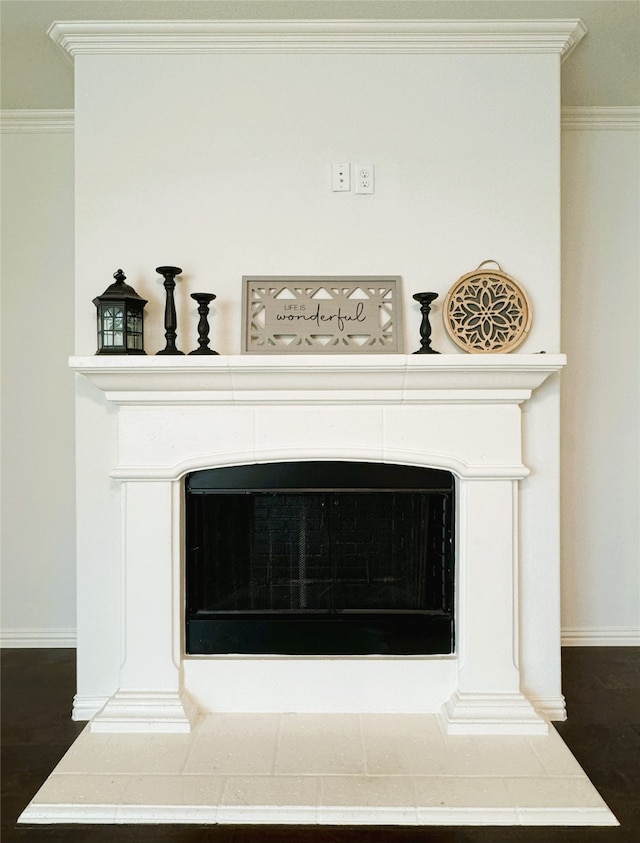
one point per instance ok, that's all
(204, 144)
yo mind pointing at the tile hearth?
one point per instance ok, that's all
(319, 769)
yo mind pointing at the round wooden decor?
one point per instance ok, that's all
(487, 311)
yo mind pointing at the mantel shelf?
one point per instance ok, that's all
(319, 379)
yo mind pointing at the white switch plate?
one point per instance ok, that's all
(365, 178)
(340, 177)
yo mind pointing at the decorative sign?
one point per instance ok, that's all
(319, 315)
(487, 311)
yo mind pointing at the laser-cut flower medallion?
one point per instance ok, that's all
(487, 311)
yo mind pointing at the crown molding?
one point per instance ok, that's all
(31, 120)
(617, 118)
(574, 118)
(318, 36)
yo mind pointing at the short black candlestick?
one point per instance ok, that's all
(203, 300)
(425, 300)
(170, 319)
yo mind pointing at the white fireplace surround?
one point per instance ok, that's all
(461, 413)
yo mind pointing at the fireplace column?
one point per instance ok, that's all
(149, 698)
(488, 699)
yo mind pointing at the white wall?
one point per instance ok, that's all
(38, 523)
(220, 164)
(601, 385)
(600, 271)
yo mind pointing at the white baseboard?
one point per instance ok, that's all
(551, 708)
(598, 636)
(86, 707)
(37, 638)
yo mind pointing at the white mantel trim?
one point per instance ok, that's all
(486, 471)
(319, 36)
(318, 379)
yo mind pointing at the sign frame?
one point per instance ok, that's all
(321, 314)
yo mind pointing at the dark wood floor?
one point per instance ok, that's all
(602, 687)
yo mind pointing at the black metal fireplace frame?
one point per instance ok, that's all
(344, 632)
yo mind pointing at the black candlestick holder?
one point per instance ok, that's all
(170, 319)
(203, 299)
(425, 300)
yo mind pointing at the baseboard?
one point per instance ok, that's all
(86, 707)
(37, 638)
(598, 636)
(551, 708)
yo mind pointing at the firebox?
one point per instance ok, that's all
(320, 558)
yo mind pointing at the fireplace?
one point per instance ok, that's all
(320, 558)
(225, 200)
(375, 738)
(446, 428)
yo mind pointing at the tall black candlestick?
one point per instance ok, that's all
(425, 300)
(203, 300)
(170, 319)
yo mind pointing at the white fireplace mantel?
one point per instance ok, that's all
(457, 412)
(318, 379)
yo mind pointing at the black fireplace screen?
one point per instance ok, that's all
(319, 559)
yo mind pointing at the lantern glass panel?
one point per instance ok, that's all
(112, 326)
(134, 331)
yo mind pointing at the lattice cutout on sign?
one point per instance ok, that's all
(319, 315)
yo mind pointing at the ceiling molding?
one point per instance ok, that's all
(30, 120)
(326, 36)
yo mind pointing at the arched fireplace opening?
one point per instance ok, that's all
(320, 558)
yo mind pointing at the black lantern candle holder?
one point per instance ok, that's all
(170, 319)
(425, 300)
(203, 299)
(120, 319)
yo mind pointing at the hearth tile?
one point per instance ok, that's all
(408, 744)
(313, 744)
(173, 790)
(126, 753)
(270, 799)
(493, 756)
(556, 792)
(549, 801)
(555, 755)
(376, 800)
(462, 792)
(78, 789)
(369, 791)
(234, 744)
(367, 815)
